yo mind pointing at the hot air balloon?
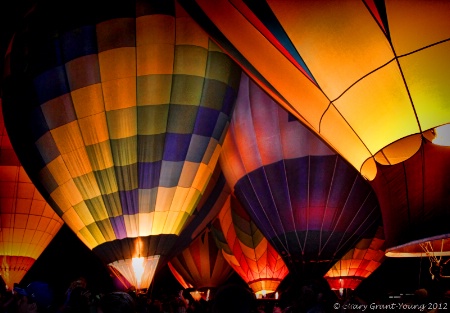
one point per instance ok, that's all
(358, 263)
(118, 111)
(247, 250)
(307, 201)
(201, 265)
(370, 77)
(414, 199)
(27, 222)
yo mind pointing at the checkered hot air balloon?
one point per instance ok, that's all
(118, 110)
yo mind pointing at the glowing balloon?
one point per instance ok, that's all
(370, 77)
(247, 250)
(119, 110)
(202, 265)
(308, 202)
(358, 263)
(27, 222)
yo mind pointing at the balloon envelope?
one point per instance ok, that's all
(202, 265)
(247, 250)
(27, 222)
(307, 201)
(118, 111)
(358, 263)
(414, 199)
(370, 77)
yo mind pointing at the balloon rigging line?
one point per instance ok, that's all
(429, 251)
(409, 93)
(354, 217)
(326, 208)
(267, 217)
(302, 248)
(288, 189)
(359, 237)
(342, 209)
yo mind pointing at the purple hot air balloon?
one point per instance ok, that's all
(307, 200)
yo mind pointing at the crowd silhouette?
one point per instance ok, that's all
(313, 296)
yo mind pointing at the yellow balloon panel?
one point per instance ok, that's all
(344, 138)
(427, 79)
(341, 48)
(416, 24)
(122, 124)
(77, 162)
(116, 64)
(119, 93)
(58, 170)
(372, 108)
(93, 95)
(27, 222)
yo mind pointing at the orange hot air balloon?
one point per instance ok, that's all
(27, 222)
(201, 265)
(247, 250)
(369, 77)
(358, 263)
(122, 109)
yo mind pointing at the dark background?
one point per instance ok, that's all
(66, 258)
